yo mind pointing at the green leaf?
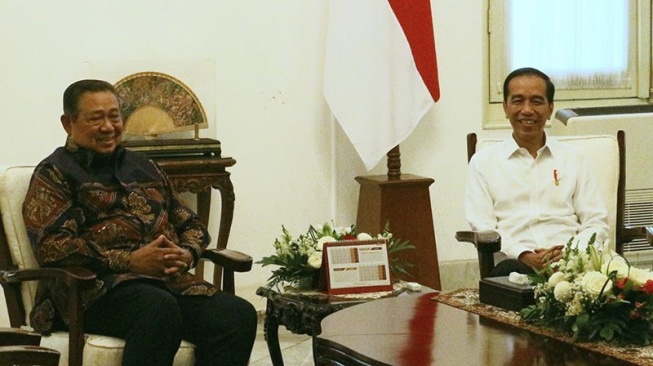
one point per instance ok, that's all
(607, 333)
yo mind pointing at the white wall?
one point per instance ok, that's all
(294, 164)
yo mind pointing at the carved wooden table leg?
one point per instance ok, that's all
(271, 329)
(299, 314)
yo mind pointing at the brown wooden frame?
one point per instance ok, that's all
(20, 355)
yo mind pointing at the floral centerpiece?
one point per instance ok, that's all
(594, 295)
(300, 258)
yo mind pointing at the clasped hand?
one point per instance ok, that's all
(160, 258)
(539, 258)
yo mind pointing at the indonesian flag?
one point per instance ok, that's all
(380, 74)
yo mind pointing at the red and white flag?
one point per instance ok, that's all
(380, 74)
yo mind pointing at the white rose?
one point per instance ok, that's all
(555, 279)
(640, 276)
(325, 239)
(593, 282)
(562, 291)
(364, 236)
(315, 260)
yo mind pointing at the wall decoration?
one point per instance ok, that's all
(155, 103)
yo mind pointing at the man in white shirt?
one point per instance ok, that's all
(535, 191)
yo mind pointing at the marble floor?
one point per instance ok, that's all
(296, 349)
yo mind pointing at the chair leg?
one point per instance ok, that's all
(486, 263)
(228, 282)
(76, 331)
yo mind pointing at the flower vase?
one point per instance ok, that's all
(309, 282)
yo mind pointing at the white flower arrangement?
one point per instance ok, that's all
(594, 295)
(300, 258)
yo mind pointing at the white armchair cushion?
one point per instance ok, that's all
(14, 183)
(107, 351)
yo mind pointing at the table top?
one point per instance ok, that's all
(417, 330)
(302, 312)
(322, 299)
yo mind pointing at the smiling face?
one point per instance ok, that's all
(527, 108)
(97, 125)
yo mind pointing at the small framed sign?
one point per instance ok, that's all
(354, 266)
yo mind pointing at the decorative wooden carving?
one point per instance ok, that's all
(299, 314)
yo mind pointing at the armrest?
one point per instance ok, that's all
(28, 355)
(485, 241)
(626, 234)
(72, 276)
(16, 336)
(229, 259)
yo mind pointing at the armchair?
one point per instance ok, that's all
(606, 155)
(19, 272)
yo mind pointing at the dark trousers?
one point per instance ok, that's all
(153, 321)
(507, 266)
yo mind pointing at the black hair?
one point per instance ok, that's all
(550, 88)
(74, 92)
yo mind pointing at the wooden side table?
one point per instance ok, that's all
(196, 166)
(302, 314)
(299, 314)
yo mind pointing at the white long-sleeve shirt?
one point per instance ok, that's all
(534, 202)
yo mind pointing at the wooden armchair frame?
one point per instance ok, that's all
(21, 347)
(14, 275)
(20, 355)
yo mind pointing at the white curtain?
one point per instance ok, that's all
(580, 44)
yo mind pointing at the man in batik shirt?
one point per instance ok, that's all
(94, 204)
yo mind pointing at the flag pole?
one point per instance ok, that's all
(394, 163)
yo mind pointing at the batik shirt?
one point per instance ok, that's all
(90, 210)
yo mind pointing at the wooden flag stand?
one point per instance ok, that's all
(403, 201)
